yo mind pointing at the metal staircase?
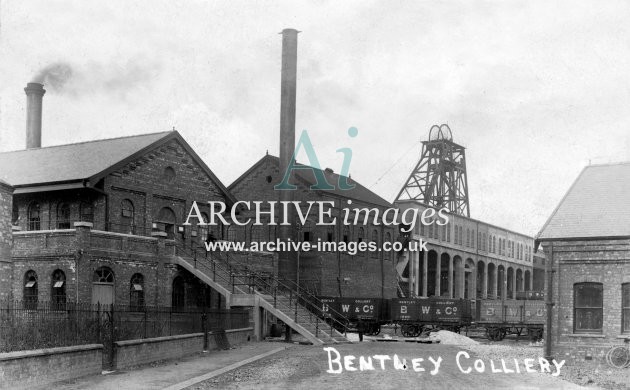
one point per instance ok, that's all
(241, 286)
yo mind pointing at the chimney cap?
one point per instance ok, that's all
(35, 88)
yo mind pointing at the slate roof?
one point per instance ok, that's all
(596, 205)
(359, 192)
(70, 162)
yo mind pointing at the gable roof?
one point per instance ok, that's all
(359, 192)
(83, 164)
(597, 205)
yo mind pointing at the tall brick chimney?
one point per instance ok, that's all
(287, 263)
(34, 96)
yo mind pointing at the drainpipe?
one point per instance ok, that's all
(549, 301)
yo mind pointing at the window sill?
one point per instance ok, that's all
(624, 336)
(586, 335)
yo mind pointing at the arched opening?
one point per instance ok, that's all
(510, 283)
(103, 286)
(136, 293)
(492, 281)
(528, 286)
(31, 290)
(501, 281)
(481, 279)
(127, 217)
(34, 217)
(519, 280)
(432, 274)
(444, 276)
(165, 222)
(458, 277)
(58, 290)
(469, 279)
(63, 216)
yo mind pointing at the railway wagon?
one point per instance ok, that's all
(511, 317)
(416, 315)
(365, 313)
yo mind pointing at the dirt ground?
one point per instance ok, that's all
(305, 367)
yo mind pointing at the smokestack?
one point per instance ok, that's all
(287, 264)
(34, 95)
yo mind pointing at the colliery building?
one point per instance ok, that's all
(466, 258)
(586, 241)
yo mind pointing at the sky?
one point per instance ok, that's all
(534, 90)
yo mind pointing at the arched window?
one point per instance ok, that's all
(103, 275)
(34, 217)
(360, 235)
(86, 212)
(256, 233)
(231, 233)
(136, 293)
(375, 240)
(178, 296)
(203, 229)
(58, 290)
(63, 216)
(588, 302)
(346, 234)
(127, 217)
(165, 222)
(330, 233)
(30, 290)
(103, 286)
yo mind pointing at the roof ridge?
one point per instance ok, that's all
(609, 164)
(91, 141)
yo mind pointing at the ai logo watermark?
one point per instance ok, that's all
(322, 183)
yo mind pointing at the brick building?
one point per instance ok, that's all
(468, 258)
(6, 239)
(365, 274)
(101, 221)
(587, 245)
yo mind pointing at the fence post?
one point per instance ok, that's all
(145, 322)
(113, 338)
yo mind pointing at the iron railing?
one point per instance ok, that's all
(286, 295)
(48, 325)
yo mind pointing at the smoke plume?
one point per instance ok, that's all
(77, 80)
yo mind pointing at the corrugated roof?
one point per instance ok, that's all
(72, 161)
(596, 205)
(359, 192)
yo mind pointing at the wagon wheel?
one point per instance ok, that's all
(407, 330)
(494, 334)
(535, 334)
(501, 334)
(418, 329)
(376, 329)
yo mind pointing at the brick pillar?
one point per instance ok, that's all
(451, 282)
(438, 275)
(425, 269)
(461, 279)
(6, 240)
(484, 292)
(473, 285)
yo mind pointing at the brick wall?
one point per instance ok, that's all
(360, 275)
(602, 261)
(25, 369)
(6, 240)
(136, 352)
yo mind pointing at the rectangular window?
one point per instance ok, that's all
(588, 301)
(625, 308)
